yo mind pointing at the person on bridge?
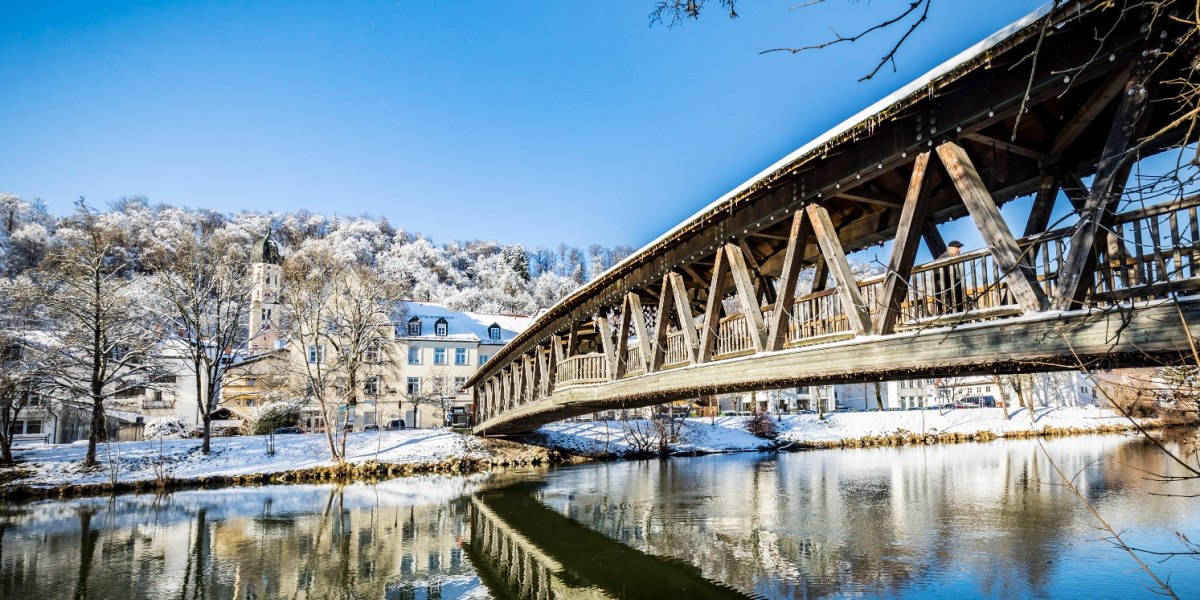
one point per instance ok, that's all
(948, 282)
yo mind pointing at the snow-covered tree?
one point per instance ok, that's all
(100, 341)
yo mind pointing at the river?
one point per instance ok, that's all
(951, 521)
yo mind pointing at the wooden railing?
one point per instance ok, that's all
(677, 351)
(1150, 253)
(634, 363)
(733, 336)
(817, 315)
(585, 368)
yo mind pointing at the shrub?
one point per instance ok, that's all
(167, 428)
(761, 425)
(273, 415)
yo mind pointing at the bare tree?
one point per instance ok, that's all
(205, 285)
(100, 341)
(19, 381)
(339, 316)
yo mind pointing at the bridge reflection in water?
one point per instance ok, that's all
(522, 549)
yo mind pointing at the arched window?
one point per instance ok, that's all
(414, 326)
(494, 331)
(441, 327)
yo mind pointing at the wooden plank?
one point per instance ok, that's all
(1043, 205)
(683, 308)
(660, 329)
(607, 345)
(640, 329)
(904, 250)
(777, 330)
(856, 310)
(747, 297)
(1081, 257)
(1022, 280)
(712, 310)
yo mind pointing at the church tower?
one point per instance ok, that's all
(265, 270)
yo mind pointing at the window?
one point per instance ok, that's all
(26, 426)
(414, 326)
(439, 356)
(316, 353)
(331, 325)
(250, 402)
(251, 382)
(460, 356)
(414, 386)
(494, 331)
(372, 353)
(414, 356)
(371, 386)
(483, 358)
(441, 327)
(459, 382)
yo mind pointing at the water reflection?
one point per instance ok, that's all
(952, 521)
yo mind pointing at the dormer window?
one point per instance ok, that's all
(441, 327)
(494, 331)
(414, 326)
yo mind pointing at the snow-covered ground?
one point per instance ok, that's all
(723, 434)
(147, 461)
(233, 456)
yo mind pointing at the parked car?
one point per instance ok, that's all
(395, 425)
(287, 431)
(370, 428)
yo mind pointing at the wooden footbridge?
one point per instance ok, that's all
(755, 290)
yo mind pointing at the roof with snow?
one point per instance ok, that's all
(460, 325)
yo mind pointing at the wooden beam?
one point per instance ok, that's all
(683, 309)
(1022, 280)
(623, 340)
(747, 297)
(543, 368)
(777, 331)
(1075, 190)
(866, 197)
(1112, 86)
(551, 370)
(857, 311)
(556, 345)
(660, 329)
(572, 339)
(1081, 257)
(1005, 145)
(820, 276)
(607, 345)
(639, 328)
(712, 310)
(1043, 205)
(904, 250)
(933, 239)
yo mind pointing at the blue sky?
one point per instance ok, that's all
(531, 122)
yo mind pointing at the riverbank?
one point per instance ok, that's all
(178, 463)
(615, 439)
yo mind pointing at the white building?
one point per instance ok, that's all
(440, 350)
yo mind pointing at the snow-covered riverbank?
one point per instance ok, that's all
(725, 434)
(133, 465)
